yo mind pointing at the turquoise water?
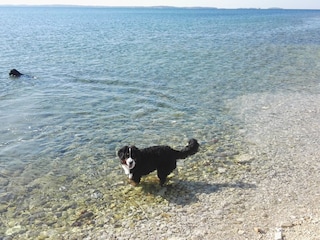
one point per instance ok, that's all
(105, 77)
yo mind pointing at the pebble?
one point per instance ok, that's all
(286, 225)
(244, 158)
(14, 230)
(175, 238)
(96, 194)
(258, 230)
(222, 170)
(240, 220)
(3, 208)
(278, 234)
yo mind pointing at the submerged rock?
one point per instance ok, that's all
(244, 158)
(14, 230)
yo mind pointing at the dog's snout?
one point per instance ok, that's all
(130, 163)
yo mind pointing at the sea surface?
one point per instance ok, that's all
(100, 78)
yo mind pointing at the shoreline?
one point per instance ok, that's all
(268, 190)
(283, 132)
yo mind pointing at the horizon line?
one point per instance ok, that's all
(156, 6)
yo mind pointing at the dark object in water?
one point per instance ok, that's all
(15, 73)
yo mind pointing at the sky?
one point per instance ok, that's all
(289, 4)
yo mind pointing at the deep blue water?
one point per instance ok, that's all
(105, 77)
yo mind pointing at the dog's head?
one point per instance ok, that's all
(15, 73)
(128, 156)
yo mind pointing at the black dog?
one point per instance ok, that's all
(139, 162)
(15, 73)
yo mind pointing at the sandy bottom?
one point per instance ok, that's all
(283, 138)
(269, 189)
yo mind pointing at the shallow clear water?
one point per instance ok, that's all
(105, 77)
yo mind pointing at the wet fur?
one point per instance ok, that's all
(160, 158)
(15, 73)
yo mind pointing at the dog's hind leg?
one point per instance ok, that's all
(163, 173)
(162, 176)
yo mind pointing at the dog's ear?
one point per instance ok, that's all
(122, 151)
(135, 152)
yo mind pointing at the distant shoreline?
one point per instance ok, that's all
(155, 7)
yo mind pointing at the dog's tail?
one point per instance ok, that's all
(189, 150)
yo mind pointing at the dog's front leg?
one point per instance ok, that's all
(133, 183)
(136, 179)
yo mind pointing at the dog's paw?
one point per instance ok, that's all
(133, 183)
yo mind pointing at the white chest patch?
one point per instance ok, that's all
(126, 170)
